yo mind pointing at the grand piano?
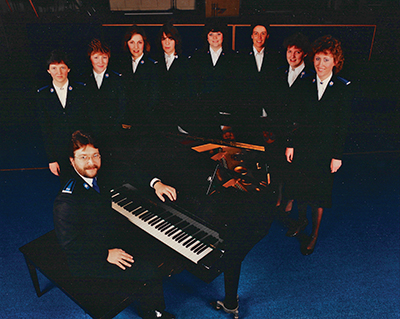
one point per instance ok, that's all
(224, 206)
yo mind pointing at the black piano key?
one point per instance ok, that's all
(149, 217)
(177, 236)
(202, 249)
(201, 246)
(190, 242)
(161, 217)
(151, 220)
(130, 207)
(196, 246)
(143, 217)
(161, 225)
(165, 226)
(173, 220)
(172, 231)
(139, 211)
(183, 237)
(155, 221)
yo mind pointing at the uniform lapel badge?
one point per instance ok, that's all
(302, 74)
(330, 83)
(313, 81)
(51, 90)
(70, 88)
(106, 75)
(86, 185)
(142, 62)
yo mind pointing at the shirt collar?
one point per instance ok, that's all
(101, 75)
(256, 52)
(63, 87)
(297, 70)
(138, 59)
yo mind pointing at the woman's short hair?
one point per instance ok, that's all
(173, 33)
(328, 44)
(58, 56)
(136, 30)
(298, 40)
(96, 46)
(215, 26)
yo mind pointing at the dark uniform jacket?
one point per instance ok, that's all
(87, 227)
(141, 91)
(81, 221)
(175, 92)
(105, 104)
(214, 87)
(320, 137)
(58, 123)
(254, 90)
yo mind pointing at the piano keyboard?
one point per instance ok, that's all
(183, 234)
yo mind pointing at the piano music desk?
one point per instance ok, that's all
(100, 298)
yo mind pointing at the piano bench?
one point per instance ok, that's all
(100, 298)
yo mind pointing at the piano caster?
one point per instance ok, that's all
(220, 305)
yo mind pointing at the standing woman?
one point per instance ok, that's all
(140, 83)
(212, 72)
(172, 73)
(317, 147)
(103, 92)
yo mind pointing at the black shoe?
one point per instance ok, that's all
(297, 228)
(304, 247)
(155, 314)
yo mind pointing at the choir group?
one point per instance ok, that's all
(299, 111)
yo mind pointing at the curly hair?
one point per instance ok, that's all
(96, 46)
(328, 44)
(136, 30)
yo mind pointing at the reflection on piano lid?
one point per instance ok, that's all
(175, 229)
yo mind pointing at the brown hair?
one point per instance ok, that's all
(97, 46)
(80, 139)
(131, 32)
(328, 44)
(171, 32)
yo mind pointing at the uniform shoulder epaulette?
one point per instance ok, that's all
(42, 88)
(116, 73)
(304, 74)
(347, 82)
(69, 186)
(152, 60)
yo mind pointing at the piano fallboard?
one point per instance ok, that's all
(175, 228)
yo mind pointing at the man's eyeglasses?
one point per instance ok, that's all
(85, 158)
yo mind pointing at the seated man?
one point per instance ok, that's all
(85, 228)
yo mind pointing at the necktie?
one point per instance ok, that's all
(95, 185)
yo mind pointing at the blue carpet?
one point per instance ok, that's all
(353, 273)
